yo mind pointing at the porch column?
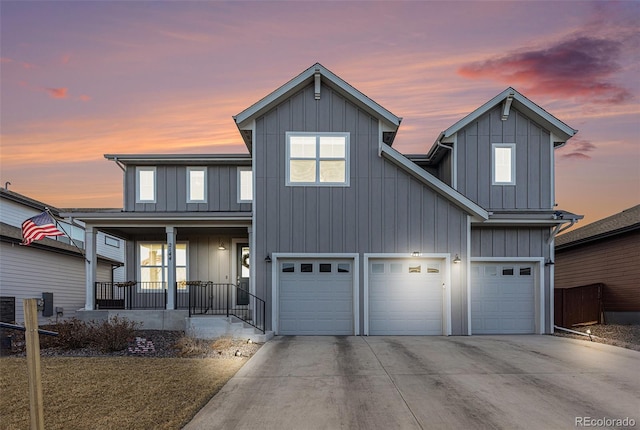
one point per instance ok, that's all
(171, 267)
(90, 267)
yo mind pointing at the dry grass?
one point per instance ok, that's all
(113, 392)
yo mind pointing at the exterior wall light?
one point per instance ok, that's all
(267, 259)
(221, 247)
(457, 259)
(416, 254)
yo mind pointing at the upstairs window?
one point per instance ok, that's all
(146, 185)
(196, 184)
(503, 161)
(245, 185)
(320, 159)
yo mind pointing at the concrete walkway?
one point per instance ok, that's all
(508, 382)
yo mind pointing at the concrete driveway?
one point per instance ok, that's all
(510, 382)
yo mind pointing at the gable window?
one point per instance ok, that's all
(196, 184)
(320, 159)
(146, 184)
(245, 185)
(503, 162)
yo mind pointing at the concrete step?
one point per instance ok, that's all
(212, 327)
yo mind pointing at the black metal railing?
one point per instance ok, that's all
(200, 297)
(209, 298)
(130, 295)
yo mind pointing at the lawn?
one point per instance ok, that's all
(113, 392)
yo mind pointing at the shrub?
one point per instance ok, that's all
(113, 334)
(72, 334)
(191, 347)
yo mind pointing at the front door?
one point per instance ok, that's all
(242, 297)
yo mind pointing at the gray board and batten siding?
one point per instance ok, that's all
(383, 210)
(171, 189)
(533, 189)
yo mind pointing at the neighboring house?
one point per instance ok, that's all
(344, 234)
(52, 265)
(606, 252)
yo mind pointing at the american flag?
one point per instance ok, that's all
(38, 227)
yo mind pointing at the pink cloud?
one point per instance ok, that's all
(65, 58)
(581, 67)
(577, 149)
(57, 93)
(84, 98)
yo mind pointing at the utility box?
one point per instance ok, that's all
(47, 309)
(8, 309)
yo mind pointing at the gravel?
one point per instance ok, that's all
(625, 336)
(158, 344)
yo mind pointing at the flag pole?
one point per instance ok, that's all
(53, 217)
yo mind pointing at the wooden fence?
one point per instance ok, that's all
(578, 305)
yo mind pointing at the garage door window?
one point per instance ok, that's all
(507, 271)
(325, 268)
(344, 268)
(491, 271)
(415, 269)
(306, 268)
(377, 268)
(525, 271)
(288, 268)
(395, 267)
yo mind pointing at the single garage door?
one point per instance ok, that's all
(405, 297)
(315, 297)
(503, 298)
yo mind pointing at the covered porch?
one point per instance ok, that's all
(186, 263)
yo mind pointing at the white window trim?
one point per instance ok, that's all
(239, 187)
(140, 169)
(512, 147)
(317, 182)
(196, 169)
(162, 266)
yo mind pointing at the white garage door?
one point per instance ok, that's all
(502, 298)
(315, 297)
(405, 297)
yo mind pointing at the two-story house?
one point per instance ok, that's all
(324, 228)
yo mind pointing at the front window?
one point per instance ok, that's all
(318, 159)
(245, 185)
(504, 163)
(197, 184)
(146, 186)
(154, 263)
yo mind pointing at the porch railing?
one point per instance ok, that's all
(209, 298)
(131, 295)
(200, 297)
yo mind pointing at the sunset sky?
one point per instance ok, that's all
(82, 79)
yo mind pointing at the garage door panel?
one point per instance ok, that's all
(502, 298)
(318, 302)
(404, 297)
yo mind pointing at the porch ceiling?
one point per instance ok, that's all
(159, 232)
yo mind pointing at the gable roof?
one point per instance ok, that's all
(627, 220)
(511, 97)
(245, 118)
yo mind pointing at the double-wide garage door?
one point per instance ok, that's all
(503, 298)
(316, 297)
(405, 297)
